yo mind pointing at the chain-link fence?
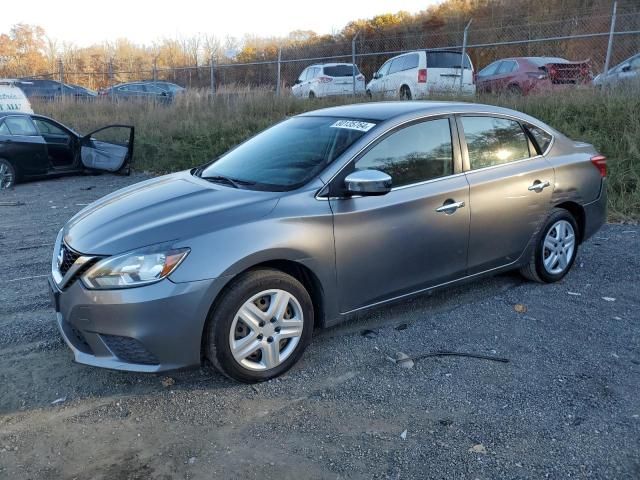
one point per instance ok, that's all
(602, 38)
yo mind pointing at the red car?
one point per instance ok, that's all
(524, 75)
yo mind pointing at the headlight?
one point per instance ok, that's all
(132, 269)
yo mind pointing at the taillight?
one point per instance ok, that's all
(360, 77)
(422, 75)
(325, 79)
(553, 72)
(600, 162)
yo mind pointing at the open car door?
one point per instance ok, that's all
(109, 148)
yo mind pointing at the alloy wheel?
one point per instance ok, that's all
(6, 176)
(558, 247)
(266, 330)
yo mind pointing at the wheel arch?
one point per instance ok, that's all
(578, 213)
(297, 270)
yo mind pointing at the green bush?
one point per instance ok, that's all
(198, 128)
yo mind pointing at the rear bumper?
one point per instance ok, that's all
(146, 329)
(595, 213)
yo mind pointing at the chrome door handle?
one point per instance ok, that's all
(450, 207)
(538, 186)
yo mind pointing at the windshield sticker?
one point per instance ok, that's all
(354, 125)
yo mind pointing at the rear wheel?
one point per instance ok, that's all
(8, 175)
(405, 93)
(556, 249)
(261, 326)
(514, 90)
(312, 95)
(369, 95)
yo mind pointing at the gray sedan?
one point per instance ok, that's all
(321, 216)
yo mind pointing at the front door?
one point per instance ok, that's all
(108, 148)
(415, 236)
(510, 190)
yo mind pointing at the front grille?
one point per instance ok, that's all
(129, 349)
(69, 257)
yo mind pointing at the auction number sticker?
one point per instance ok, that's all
(354, 125)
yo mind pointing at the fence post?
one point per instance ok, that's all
(212, 75)
(279, 66)
(61, 76)
(464, 52)
(155, 72)
(611, 33)
(353, 61)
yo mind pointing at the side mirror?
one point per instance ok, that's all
(368, 182)
(297, 82)
(626, 68)
(377, 75)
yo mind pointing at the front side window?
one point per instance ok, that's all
(494, 141)
(3, 129)
(384, 69)
(20, 126)
(420, 152)
(288, 154)
(397, 65)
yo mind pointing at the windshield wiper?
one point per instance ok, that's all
(234, 182)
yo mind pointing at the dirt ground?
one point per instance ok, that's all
(567, 404)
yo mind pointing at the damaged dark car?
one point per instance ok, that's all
(35, 146)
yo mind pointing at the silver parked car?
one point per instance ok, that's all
(626, 73)
(322, 215)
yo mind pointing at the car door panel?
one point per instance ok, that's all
(103, 155)
(396, 244)
(508, 201)
(27, 153)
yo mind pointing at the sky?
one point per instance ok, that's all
(83, 23)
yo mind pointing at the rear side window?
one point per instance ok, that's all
(48, 128)
(489, 70)
(3, 129)
(20, 126)
(542, 138)
(494, 141)
(447, 60)
(340, 71)
(411, 61)
(420, 152)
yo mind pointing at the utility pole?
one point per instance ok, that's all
(612, 31)
(278, 76)
(464, 53)
(353, 60)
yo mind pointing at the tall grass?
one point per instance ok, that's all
(199, 127)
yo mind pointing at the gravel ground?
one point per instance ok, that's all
(566, 405)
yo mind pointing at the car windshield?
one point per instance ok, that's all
(288, 154)
(340, 71)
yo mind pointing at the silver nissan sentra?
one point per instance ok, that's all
(322, 215)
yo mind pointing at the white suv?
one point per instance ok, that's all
(328, 80)
(422, 73)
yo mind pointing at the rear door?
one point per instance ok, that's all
(510, 189)
(443, 71)
(21, 145)
(486, 76)
(393, 80)
(505, 75)
(61, 144)
(108, 148)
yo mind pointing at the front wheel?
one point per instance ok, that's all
(261, 326)
(556, 249)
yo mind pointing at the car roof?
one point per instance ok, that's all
(382, 111)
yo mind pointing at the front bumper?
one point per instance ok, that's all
(151, 328)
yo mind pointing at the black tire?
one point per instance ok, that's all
(405, 93)
(220, 321)
(312, 95)
(535, 270)
(9, 176)
(369, 95)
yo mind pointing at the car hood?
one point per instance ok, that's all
(172, 208)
